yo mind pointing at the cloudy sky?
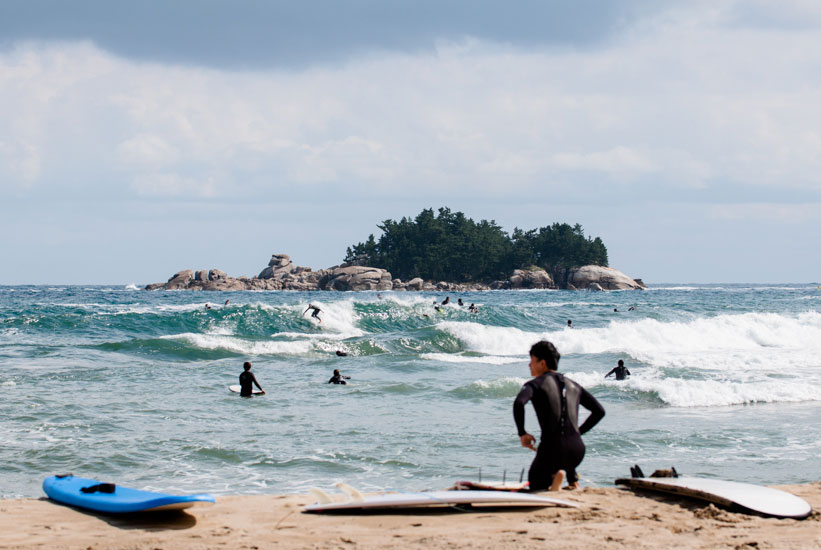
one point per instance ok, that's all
(141, 138)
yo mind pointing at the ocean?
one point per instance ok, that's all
(131, 387)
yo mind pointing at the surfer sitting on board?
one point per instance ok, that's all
(556, 400)
(338, 378)
(315, 312)
(620, 370)
(246, 381)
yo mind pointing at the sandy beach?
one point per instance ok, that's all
(606, 518)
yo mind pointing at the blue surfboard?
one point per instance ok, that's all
(115, 499)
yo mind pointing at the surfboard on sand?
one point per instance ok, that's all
(742, 497)
(110, 498)
(511, 486)
(356, 502)
(236, 388)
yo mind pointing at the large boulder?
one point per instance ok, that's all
(225, 283)
(279, 265)
(357, 277)
(216, 274)
(531, 278)
(415, 284)
(584, 278)
(180, 280)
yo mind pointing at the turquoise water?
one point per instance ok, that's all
(131, 386)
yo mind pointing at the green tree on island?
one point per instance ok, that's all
(451, 247)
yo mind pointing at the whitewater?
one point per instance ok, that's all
(131, 386)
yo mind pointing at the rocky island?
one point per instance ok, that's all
(283, 274)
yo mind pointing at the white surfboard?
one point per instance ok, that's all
(236, 388)
(512, 486)
(428, 499)
(731, 494)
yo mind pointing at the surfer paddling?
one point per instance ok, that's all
(247, 381)
(556, 400)
(620, 371)
(338, 378)
(315, 313)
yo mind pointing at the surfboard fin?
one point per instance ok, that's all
(635, 471)
(321, 496)
(352, 493)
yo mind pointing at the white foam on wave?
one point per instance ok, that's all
(720, 392)
(484, 359)
(410, 300)
(9, 383)
(337, 317)
(131, 286)
(489, 340)
(237, 345)
(715, 361)
(723, 334)
(500, 388)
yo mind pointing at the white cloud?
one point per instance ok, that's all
(617, 160)
(150, 150)
(685, 100)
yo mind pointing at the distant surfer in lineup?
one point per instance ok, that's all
(226, 303)
(556, 400)
(207, 306)
(247, 380)
(569, 323)
(338, 378)
(446, 301)
(340, 353)
(473, 308)
(315, 313)
(620, 371)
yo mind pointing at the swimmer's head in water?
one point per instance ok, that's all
(336, 372)
(247, 365)
(547, 352)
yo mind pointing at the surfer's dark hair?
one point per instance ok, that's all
(546, 351)
(247, 365)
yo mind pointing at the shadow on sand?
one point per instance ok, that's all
(164, 520)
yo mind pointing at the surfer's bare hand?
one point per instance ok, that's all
(528, 441)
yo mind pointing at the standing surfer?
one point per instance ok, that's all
(315, 312)
(620, 370)
(247, 380)
(556, 400)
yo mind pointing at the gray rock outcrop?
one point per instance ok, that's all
(279, 266)
(531, 279)
(607, 278)
(283, 274)
(358, 277)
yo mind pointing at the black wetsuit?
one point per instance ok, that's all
(556, 400)
(338, 379)
(246, 382)
(621, 372)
